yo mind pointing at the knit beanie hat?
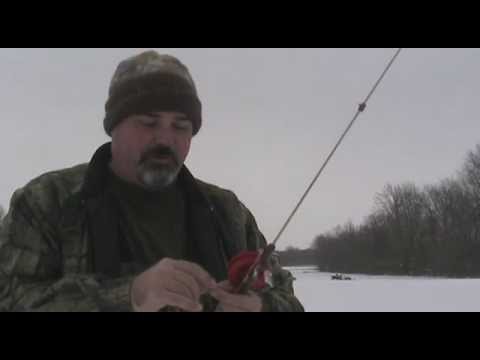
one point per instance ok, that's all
(151, 82)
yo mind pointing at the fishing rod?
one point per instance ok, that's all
(246, 270)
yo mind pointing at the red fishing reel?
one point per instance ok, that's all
(239, 267)
(248, 269)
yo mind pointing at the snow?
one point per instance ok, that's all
(364, 293)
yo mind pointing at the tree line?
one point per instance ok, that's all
(433, 230)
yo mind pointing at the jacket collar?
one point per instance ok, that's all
(97, 174)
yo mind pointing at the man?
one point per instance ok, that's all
(132, 229)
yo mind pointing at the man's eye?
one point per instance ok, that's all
(147, 122)
(182, 127)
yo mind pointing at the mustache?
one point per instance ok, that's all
(159, 151)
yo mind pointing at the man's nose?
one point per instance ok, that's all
(163, 136)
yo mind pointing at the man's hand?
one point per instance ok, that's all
(170, 283)
(229, 302)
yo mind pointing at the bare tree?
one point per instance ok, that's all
(470, 179)
(2, 215)
(404, 207)
(453, 208)
(470, 174)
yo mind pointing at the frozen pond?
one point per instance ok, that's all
(365, 293)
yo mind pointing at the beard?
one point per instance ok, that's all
(158, 168)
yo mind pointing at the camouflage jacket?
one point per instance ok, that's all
(57, 242)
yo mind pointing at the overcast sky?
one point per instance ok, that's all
(271, 116)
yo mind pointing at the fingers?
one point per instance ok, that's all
(156, 303)
(182, 302)
(176, 287)
(187, 283)
(235, 302)
(225, 285)
(192, 277)
(203, 278)
(171, 282)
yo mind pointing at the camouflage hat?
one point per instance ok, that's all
(151, 82)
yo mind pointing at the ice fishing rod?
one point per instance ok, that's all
(246, 270)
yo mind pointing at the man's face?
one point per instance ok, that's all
(149, 150)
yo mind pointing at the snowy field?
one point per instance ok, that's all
(365, 293)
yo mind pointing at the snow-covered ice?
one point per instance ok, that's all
(365, 293)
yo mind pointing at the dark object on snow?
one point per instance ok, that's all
(340, 277)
